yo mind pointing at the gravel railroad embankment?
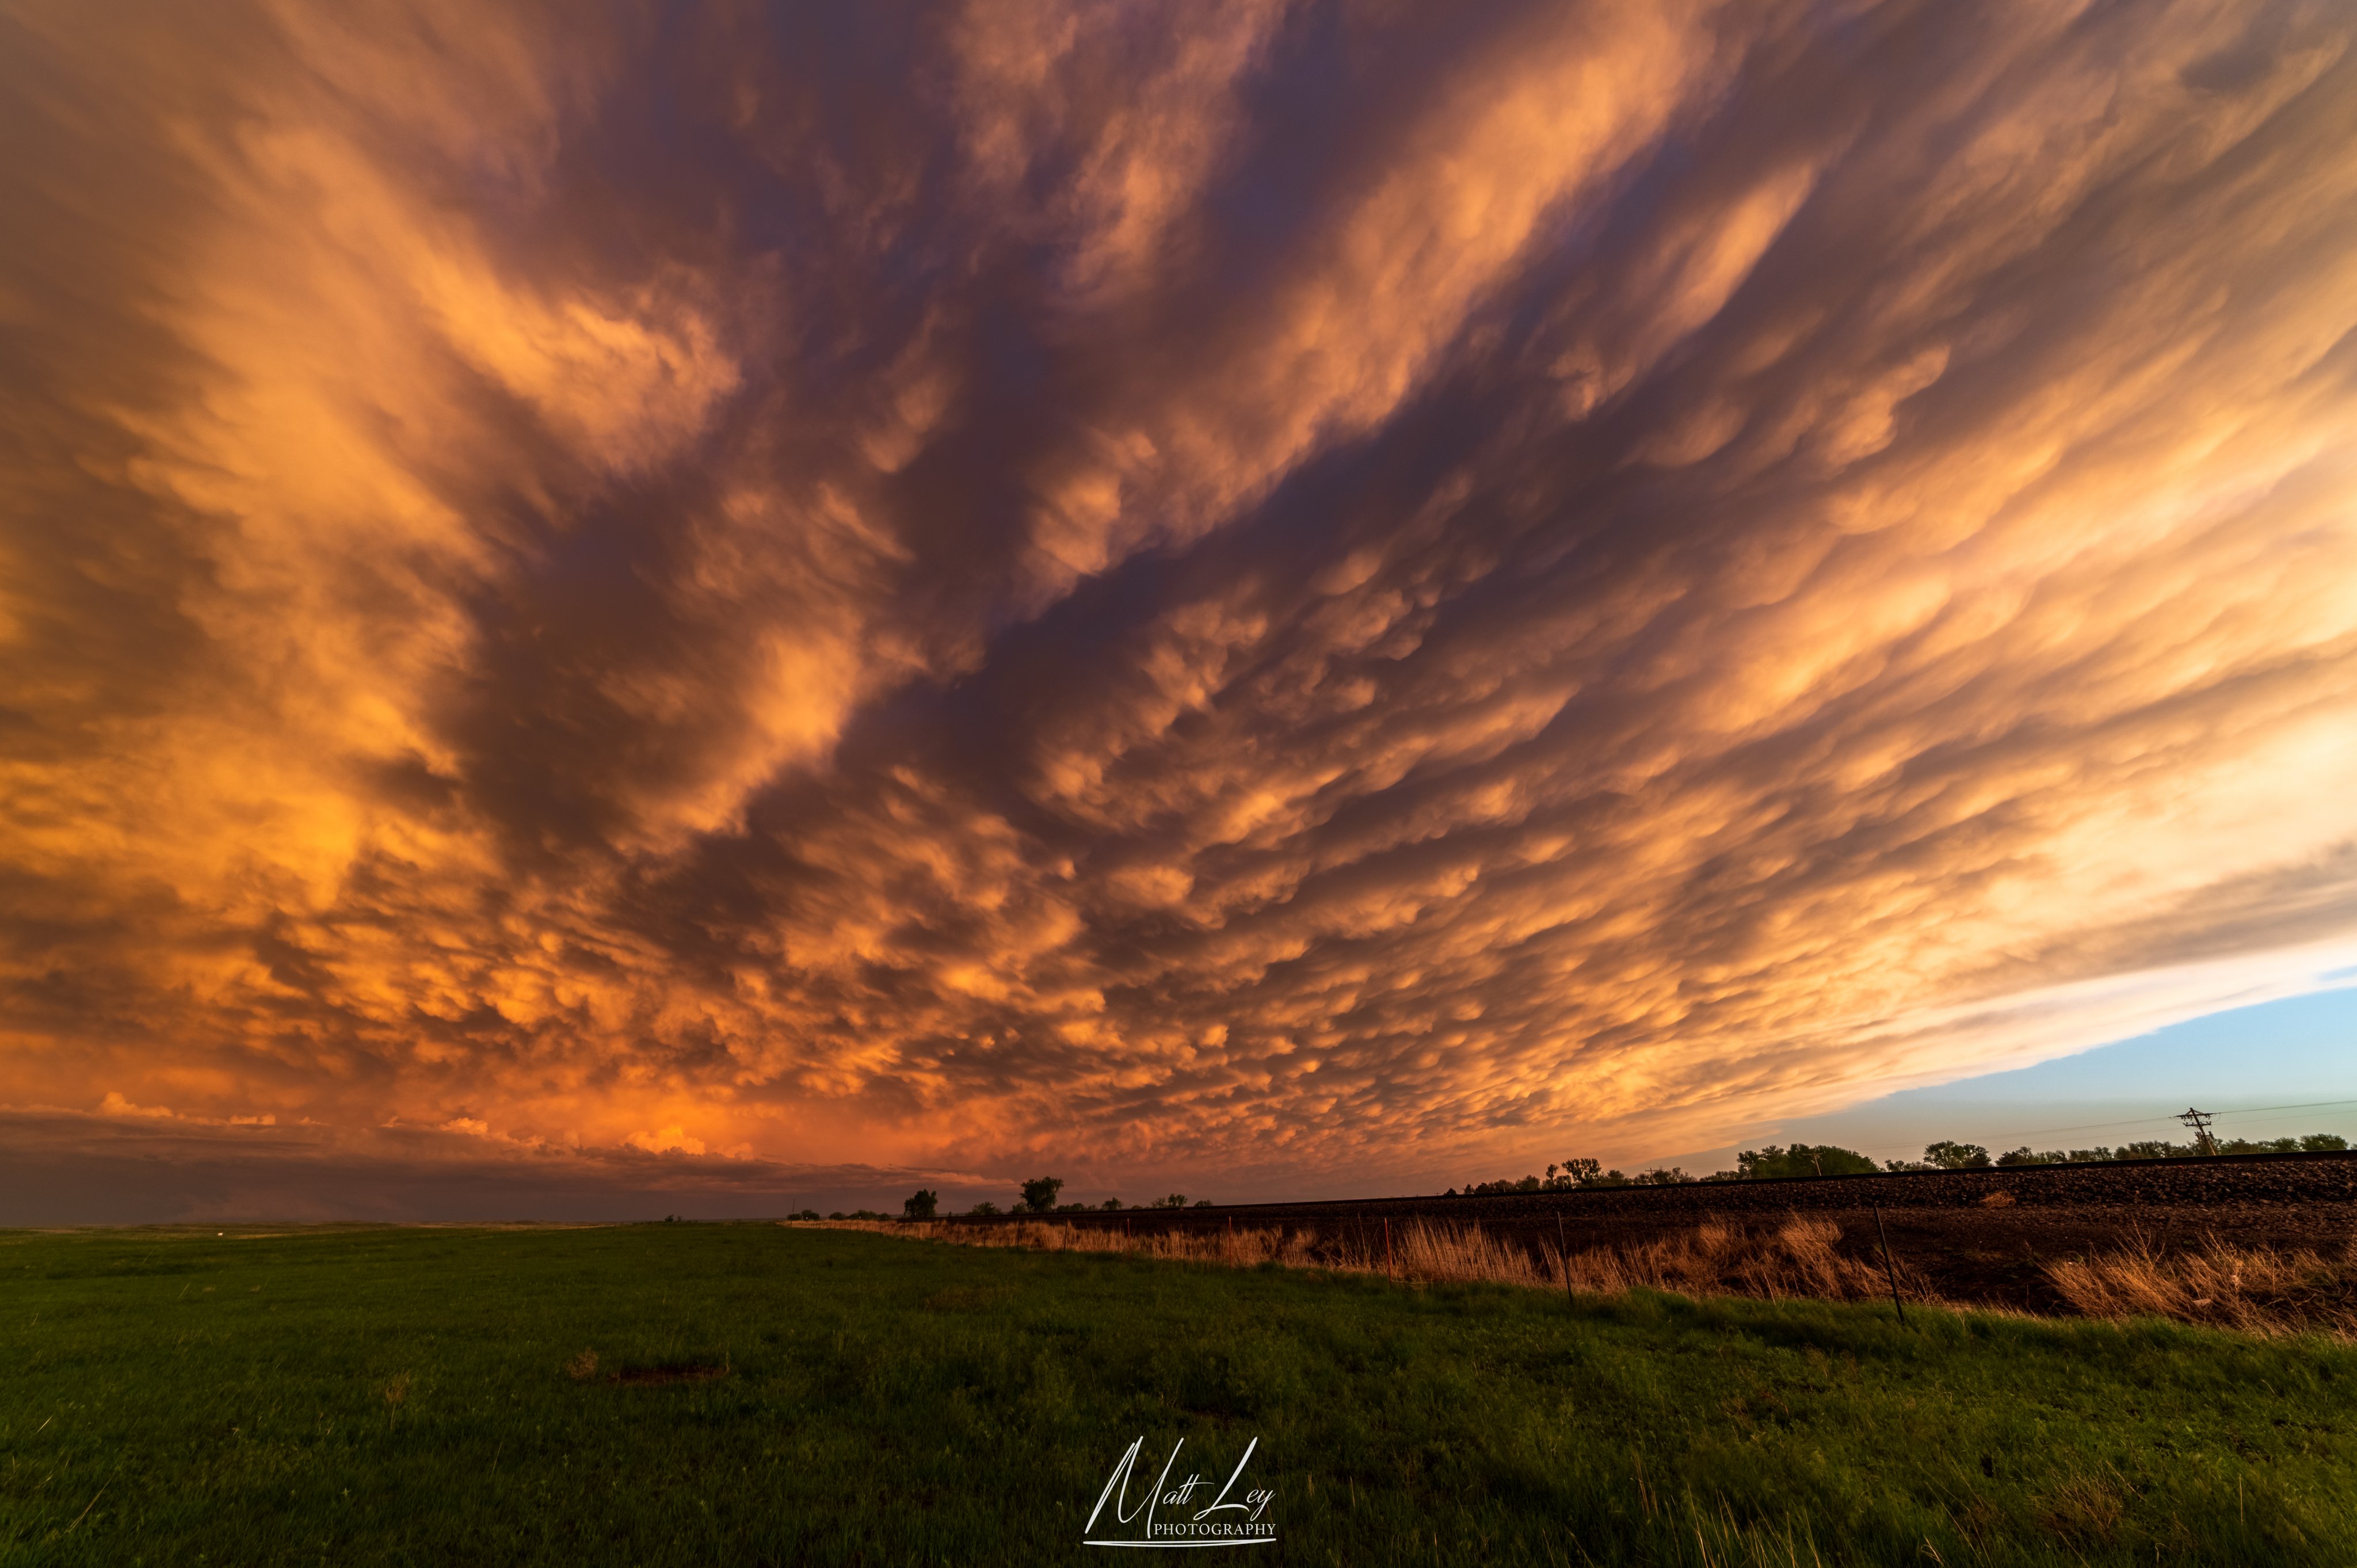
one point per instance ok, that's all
(1979, 1235)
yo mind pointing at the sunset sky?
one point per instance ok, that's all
(1285, 599)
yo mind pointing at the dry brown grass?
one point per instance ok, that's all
(1235, 1248)
(1795, 1258)
(2255, 1290)
(2252, 1290)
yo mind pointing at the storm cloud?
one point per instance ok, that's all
(1286, 591)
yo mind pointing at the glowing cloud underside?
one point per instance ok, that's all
(1291, 588)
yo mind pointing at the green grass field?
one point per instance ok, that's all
(403, 1396)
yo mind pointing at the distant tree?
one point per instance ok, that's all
(1948, 1155)
(2152, 1149)
(1570, 1173)
(1110, 1205)
(1176, 1200)
(2320, 1142)
(985, 1209)
(1800, 1160)
(2023, 1156)
(921, 1206)
(1668, 1177)
(1039, 1194)
(838, 1214)
(803, 1214)
(1203, 1203)
(2096, 1156)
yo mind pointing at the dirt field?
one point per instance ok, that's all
(1968, 1236)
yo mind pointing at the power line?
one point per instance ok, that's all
(2311, 1105)
(2276, 1119)
(2147, 1121)
(2138, 1121)
(2093, 1126)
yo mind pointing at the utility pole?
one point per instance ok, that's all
(2200, 1122)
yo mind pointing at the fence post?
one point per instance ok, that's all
(1889, 1269)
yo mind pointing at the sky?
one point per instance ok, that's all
(2279, 1069)
(619, 604)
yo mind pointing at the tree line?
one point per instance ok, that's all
(1039, 1195)
(1828, 1159)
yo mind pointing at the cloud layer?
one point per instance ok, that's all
(1299, 591)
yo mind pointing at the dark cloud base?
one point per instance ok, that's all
(62, 1171)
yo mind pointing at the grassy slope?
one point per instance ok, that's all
(166, 1397)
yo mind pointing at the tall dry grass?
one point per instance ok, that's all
(2255, 1290)
(1795, 1258)
(1235, 1248)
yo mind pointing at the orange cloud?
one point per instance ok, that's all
(1223, 590)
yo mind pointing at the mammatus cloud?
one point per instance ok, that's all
(1304, 591)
